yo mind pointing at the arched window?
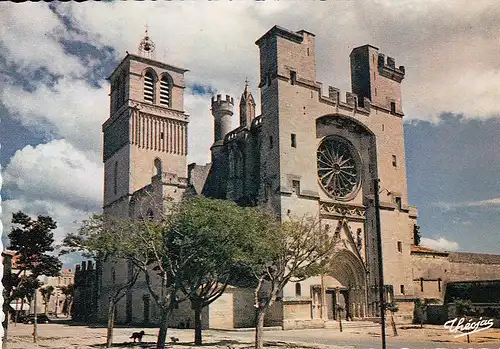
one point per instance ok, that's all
(298, 289)
(149, 87)
(158, 169)
(165, 90)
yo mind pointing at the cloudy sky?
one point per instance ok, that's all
(54, 60)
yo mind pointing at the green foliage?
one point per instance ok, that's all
(464, 307)
(47, 292)
(392, 307)
(25, 287)
(32, 240)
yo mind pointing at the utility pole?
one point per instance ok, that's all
(380, 261)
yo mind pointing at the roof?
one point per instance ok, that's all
(426, 250)
(476, 258)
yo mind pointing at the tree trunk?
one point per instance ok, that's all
(162, 332)
(35, 320)
(197, 325)
(111, 322)
(259, 328)
(393, 324)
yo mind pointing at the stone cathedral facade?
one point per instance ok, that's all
(312, 151)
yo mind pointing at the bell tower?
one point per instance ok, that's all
(145, 136)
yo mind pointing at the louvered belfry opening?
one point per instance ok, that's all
(149, 87)
(165, 90)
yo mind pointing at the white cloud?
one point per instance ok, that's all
(71, 109)
(489, 203)
(30, 35)
(56, 173)
(440, 243)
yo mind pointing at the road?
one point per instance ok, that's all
(360, 340)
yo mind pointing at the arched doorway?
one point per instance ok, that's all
(345, 287)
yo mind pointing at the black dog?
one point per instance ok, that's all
(137, 335)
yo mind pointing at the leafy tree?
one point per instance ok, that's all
(107, 239)
(32, 241)
(464, 307)
(68, 292)
(300, 249)
(47, 292)
(421, 306)
(214, 236)
(416, 235)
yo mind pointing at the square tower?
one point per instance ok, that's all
(146, 133)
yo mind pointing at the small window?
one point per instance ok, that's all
(298, 289)
(270, 142)
(439, 285)
(394, 161)
(158, 169)
(150, 214)
(400, 246)
(421, 284)
(293, 77)
(383, 127)
(115, 178)
(267, 191)
(293, 140)
(402, 289)
(162, 135)
(398, 202)
(393, 108)
(296, 187)
(308, 51)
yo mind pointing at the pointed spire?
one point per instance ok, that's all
(247, 107)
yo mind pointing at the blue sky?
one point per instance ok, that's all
(54, 61)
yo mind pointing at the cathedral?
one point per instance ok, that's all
(313, 151)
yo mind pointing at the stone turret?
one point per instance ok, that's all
(222, 111)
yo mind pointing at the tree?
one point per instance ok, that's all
(300, 249)
(110, 240)
(393, 308)
(68, 292)
(416, 235)
(46, 294)
(214, 236)
(32, 241)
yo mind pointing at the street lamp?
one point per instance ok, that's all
(380, 261)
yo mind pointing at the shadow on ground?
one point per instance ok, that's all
(151, 345)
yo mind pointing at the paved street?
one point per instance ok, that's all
(67, 336)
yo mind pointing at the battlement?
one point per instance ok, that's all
(387, 67)
(352, 101)
(226, 104)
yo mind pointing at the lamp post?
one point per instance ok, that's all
(380, 261)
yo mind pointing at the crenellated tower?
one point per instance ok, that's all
(377, 78)
(222, 111)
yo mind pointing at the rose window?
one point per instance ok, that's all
(338, 168)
